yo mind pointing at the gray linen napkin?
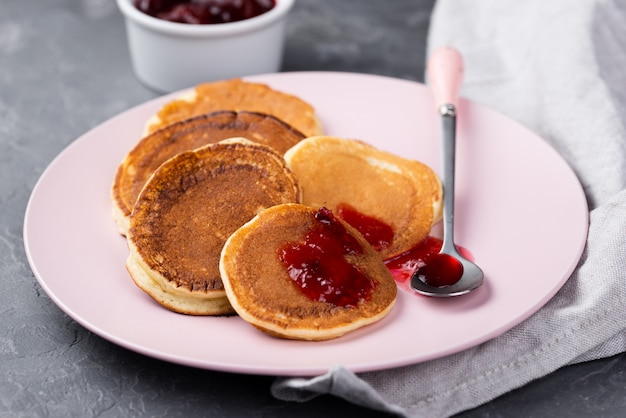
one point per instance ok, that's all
(557, 67)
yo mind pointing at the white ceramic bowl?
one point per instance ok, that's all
(169, 56)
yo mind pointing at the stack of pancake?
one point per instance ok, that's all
(227, 176)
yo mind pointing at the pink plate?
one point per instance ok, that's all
(520, 211)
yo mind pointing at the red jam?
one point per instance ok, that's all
(204, 12)
(318, 265)
(440, 269)
(376, 232)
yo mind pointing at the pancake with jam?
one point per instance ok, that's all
(187, 210)
(151, 151)
(301, 273)
(393, 201)
(236, 94)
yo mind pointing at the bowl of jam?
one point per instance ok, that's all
(176, 44)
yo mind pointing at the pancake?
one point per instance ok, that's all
(264, 292)
(154, 149)
(402, 194)
(236, 94)
(187, 210)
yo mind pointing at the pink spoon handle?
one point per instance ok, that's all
(445, 75)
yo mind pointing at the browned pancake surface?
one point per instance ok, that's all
(196, 200)
(154, 149)
(236, 94)
(261, 291)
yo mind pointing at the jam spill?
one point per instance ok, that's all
(318, 265)
(376, 232)
(320, 270)
(442, 270)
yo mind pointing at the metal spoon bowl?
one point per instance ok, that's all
(458, 274)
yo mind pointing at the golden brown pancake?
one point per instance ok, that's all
(261, 290)
(403, 194)
(154, 149)
(188, 209)
(236, 94)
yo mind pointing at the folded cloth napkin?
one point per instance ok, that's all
(558, 68)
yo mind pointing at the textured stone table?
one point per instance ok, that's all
(64, 68)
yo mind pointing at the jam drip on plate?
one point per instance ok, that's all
(319, 266)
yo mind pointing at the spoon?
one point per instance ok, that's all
(447, 273)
